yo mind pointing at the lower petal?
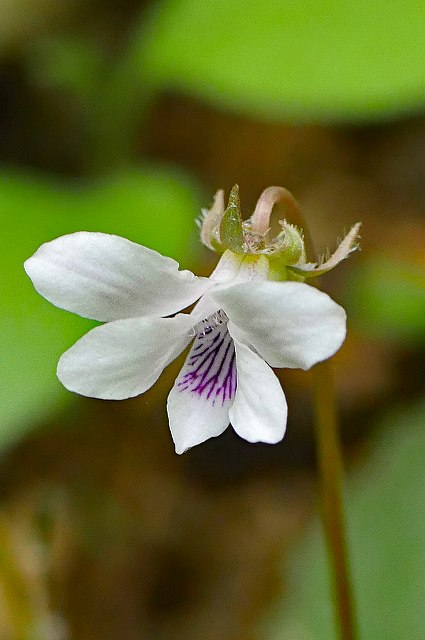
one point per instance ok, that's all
(259, 411)
(124, 358)
(198, 404)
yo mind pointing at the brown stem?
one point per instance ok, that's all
(331, 469)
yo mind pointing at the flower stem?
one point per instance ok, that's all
(330, 468)
(328, 444)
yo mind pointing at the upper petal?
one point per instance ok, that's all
(122, 359)
(259, 411)
(106, 277)
(198, 404)
(289, 323)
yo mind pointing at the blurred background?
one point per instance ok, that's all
(126, 118)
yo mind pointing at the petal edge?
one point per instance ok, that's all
(259, 411)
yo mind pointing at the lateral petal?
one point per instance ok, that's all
(106, 277)
(124, 358)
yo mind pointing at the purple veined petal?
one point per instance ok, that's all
(124, 358)
(259, 411)
(211, 364)
(198, 404)
(106, 277)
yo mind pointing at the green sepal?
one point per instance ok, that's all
(347, 245)
(217, 246)
(279, 271)
(289, 244)
(288, 249)
(231, 233)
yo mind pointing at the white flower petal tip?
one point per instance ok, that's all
(124, 358)
(291, 324)
(259, 411)
(106, 277)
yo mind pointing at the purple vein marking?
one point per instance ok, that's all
(210, 368)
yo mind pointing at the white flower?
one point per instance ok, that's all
(242, 325)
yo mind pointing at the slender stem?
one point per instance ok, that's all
(330, 466)
(331, 471)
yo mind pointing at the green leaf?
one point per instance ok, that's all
(386, 300)
(386, 506)
(148, 206)
(310, 60)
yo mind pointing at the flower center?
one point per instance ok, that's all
(204, 327)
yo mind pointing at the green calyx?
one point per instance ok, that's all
(222, 229)
(285, 250)
(241, 237)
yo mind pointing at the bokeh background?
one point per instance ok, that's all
(126, 118)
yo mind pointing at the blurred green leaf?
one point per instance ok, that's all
(386, 513)
(386, 300)
(152, 207)
(72, 63)
(305, 60)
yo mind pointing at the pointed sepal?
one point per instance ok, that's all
(349, 244)
(209, 223)
(231, 232)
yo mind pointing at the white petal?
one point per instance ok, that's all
(227, 267)
(289, 323)
(230, 268)
(198, 404)
(106, 277)
(205, 307)
(122, 359)
(259, 411)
